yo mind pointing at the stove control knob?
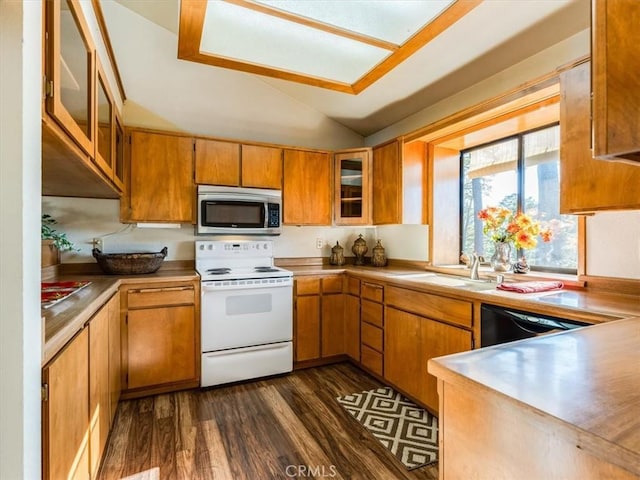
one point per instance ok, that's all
(266, 246)
(210, 246)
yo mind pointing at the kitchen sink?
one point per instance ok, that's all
(448, 281)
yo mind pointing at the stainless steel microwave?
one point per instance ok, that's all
(238, 211)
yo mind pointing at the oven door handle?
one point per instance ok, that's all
(245, 286)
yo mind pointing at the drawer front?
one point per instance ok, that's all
(332, 284)
(371, 359)
(153, 297)
(372, 291)
(372, 313)
(353, 286)
(307, 286)
(432, 306)
(371, 336)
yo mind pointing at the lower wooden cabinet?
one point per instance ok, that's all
(161, 337)
(115, 355)
(65, 412)
(372, 324)
(352, 326)
(99, 398)
(410, 341)
(318, 318)
(80, 398)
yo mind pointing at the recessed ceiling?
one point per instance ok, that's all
(492, 37)
(333, 44)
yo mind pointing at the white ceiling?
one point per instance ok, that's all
(492, 37)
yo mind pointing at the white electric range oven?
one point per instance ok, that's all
(246, 311)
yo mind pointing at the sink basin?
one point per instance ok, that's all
(448, 281)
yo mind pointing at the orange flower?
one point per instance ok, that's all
(546, 235)
(525, 240)
(502, 225)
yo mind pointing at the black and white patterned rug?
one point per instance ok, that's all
(405, 429)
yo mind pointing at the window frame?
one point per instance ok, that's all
(520, 181)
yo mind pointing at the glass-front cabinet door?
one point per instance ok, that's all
(352, 201)
(70, 71)
(118, 162)
(104, 129)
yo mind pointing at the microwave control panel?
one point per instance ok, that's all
(273, 219)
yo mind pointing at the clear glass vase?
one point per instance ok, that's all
(501, 258)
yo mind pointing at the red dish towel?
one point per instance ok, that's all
(530, 287)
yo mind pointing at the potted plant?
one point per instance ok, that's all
(53, 242)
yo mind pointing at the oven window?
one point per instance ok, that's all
(232, 213)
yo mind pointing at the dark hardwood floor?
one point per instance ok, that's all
(283, 427)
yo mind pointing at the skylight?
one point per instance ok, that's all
(343, 45)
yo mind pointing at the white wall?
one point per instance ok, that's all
(533, 67)
(613, 244)
(20, 323)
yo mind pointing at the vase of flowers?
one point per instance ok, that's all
(508, 229)
(501, 258)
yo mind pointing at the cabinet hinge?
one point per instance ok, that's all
(44, 392)
(47, 87)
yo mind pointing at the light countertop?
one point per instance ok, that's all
(586, 382)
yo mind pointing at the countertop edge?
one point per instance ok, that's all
(57, 342)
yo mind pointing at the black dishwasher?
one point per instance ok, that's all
(502, 325)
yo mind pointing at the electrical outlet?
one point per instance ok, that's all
(319, 242)
(97, 243)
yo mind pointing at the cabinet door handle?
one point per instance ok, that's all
(159, 290)
(372, 285)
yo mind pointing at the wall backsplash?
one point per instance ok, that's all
(613, 246)
(86, 219)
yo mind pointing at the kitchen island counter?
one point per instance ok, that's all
(565, 405)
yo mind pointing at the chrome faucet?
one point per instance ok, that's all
(475, 263)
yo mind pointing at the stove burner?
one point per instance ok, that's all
(265, 269)
(218, 271)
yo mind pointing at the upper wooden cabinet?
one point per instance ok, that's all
(352, 187)
(387, 184)
(306, 188)
(160, 178)
(70, 70)
(78, 134)
(118, 160)
(616, 83)
(261, 167)
(231, 164)
(399, 183)
(587, 184)
(217, 163)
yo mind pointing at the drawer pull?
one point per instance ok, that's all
(160, 290)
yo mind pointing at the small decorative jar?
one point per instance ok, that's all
(337, 255)
(359, 249)
(521, 266)
(378, 259)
